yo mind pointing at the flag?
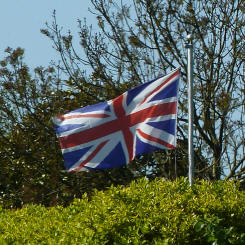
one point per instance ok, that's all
(112, 133)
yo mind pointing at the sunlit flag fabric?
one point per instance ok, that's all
(112, 133)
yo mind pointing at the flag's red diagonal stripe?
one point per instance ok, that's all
(90, 157)
(98, 115)
(160, 86)
(154, 139)
(117, 125)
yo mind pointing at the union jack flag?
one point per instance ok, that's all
(112, 133)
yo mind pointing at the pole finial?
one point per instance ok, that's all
(189, 38)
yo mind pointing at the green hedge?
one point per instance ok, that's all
(157, 212)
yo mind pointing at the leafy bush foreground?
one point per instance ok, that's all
(157, 212)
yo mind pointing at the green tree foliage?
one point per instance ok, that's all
(137, 40)
(32, 168)
(157, 212)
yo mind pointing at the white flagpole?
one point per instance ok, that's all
(189, 47)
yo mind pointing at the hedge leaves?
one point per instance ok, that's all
(157, 212)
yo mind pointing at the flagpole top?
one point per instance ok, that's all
(189, 39)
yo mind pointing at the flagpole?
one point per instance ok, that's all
(189, 47)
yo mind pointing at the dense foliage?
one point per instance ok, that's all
(156, 212)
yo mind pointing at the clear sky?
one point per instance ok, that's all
(21, 21)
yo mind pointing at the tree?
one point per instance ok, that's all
(137, 40)
(140, 39)
(31, 168)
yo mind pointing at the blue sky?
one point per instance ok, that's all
(21, 21)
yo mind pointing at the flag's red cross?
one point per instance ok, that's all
(122, 123)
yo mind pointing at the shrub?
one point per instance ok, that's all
(146, 212)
